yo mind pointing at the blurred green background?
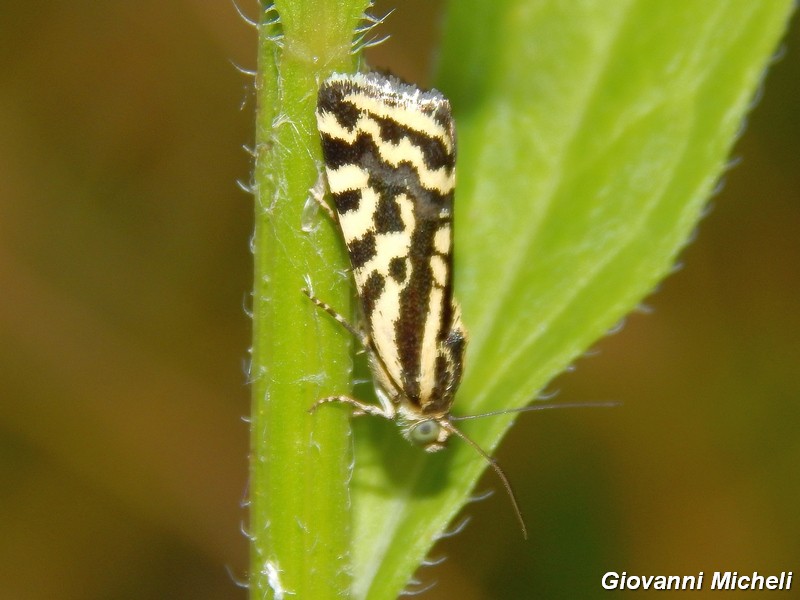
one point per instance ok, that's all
(124, 278)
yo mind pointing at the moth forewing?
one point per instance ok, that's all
(389, 152)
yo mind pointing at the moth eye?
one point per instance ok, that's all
(425, 432)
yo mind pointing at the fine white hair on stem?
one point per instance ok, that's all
(417, 592)
(369, 22)
(243, 16)
(432, 562)
(242, 70)
(455, 530)
(236, 579)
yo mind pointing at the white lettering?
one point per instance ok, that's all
(722, 581)
(690, 582)
(665, 583)
(610, 580)
(613, 580)
(757, 580)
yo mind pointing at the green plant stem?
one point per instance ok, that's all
(300, 463)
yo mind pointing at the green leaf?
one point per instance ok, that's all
(591, 135)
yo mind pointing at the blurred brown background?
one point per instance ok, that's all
(124, 270)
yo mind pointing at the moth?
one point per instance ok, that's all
(389, 151)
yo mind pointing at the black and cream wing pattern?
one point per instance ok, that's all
(389, 152)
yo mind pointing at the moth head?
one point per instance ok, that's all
(429, 434)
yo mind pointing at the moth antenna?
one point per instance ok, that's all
(540, 406)
(492, 463)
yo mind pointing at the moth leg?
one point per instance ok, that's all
(361, 408)
(359, 335)
(318, 195)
